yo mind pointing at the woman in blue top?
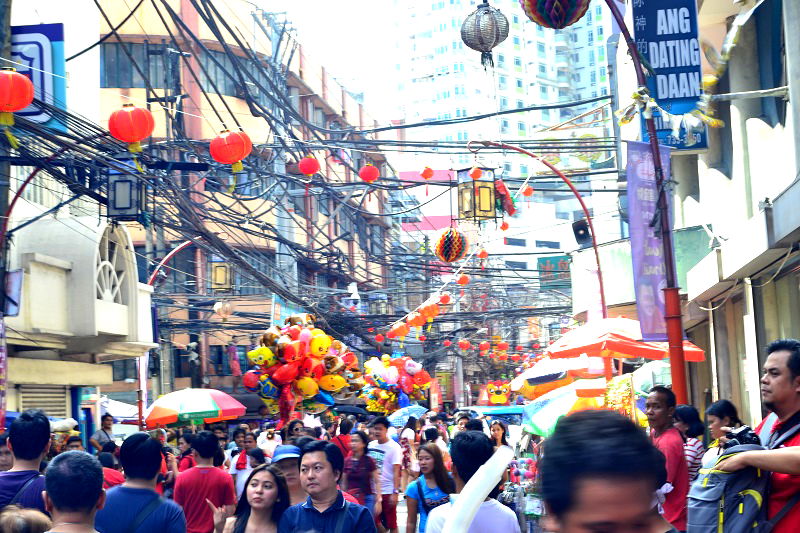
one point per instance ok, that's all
(430, 490)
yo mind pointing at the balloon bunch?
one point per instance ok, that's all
(300, 367)
(393, 382)
(523, 469)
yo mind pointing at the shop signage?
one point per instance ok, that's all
(38, 52)
(554, 272)
(666, 33)
(649, 272)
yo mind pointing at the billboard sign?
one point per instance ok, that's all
(38, 52)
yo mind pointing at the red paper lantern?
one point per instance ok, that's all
(527, 191)
(391, 334)
(423, 338)
(475, 173)
(515, 358)
(504, 225)
(464, 344)
(16, 93)
(447, 343)
(131, 124)
(427, 173)
(463, 279)
(369, 173)
(451, 246)
(536, 346)
(379, 338)
(370, 330)
(483, 346)
(519, 348)
(483, 254)
(444, 299)
(308, 166)
(230, 148)
(502, 346)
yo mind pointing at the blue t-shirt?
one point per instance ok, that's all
(433, 498)
(12, 482)
(123, 505)
(305, 518)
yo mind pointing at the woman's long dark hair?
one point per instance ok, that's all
(281, 504)
(187, 436)
(411, 424)
(503, 439)
(723, 408)
(443, 479)
(689, 416)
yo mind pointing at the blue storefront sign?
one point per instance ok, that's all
(666, 34)
(38, 52)
(282, 309)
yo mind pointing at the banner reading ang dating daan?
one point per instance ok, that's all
(649, 272)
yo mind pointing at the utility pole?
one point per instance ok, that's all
(5, 183)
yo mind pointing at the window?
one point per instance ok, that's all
(517, 61)
(540, 49)
(598, 11)
(590, 37)
(545, 115)
(601, 53)
(517, 41)
(548, 244)
(517, 265)
(503, 103)
(504, 126)
(520, 104)
(512, 241)
(123, 369)
(591, 58)
(542, 69)
(521, 129)
(501, 60)
(506, 168)
(263, 262)
(543, 91)
(503, 82)
(523, 170)
(593, 77)
(377, 241)
(604, 91)
(519, 84)
(117, 70)
(602, 72)
(515, 19)
(322, 205)
(600, 33)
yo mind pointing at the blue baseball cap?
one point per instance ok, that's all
(286, 451)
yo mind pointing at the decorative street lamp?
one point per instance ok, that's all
(483, 29)
(476, 194)
(127, 194)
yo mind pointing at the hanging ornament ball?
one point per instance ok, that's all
(223, 309)
(427, 173)
(308, 166)
(527, 191)
(423, 338)
(463, 279)
(451, 246)
(464, 344)
(504, 225)
(369, 173)
(370, 330)
(230, 148)
(483, 254)
(131, 125)
(445, 298)
(475, 173)
(379, 338)
(556, 14)
(16, 93)
(483, 29)
(447, 343)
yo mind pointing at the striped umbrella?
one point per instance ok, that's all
(193, 406)
(541, 415)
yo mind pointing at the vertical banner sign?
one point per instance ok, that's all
(666, 34)
(647, 254)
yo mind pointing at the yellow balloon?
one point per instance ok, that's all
(306, 386)
(262, 356)
(332, 382)
(272, 405)
(319, 346)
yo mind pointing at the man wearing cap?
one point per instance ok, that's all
(287, 457)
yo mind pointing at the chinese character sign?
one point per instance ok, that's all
(554, 272)
(666, 34)
(649, 272)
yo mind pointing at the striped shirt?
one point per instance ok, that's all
(693, 449)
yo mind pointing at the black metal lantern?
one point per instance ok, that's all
(476, 194)
(127, 193)
(483, 29)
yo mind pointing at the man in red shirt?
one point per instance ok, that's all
(202, 485)
(780, 431)
(659, 408)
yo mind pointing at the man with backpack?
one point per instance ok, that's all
(780, 435)
(29, 441)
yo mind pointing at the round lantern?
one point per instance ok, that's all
(464, 344)
(502, 346)
(422, 338)
(427, 173)
(451, 246)
(369, 173)
(308, 166)
(445, 299)
(519, 348)
(230, 148)
(483, 29)
(483, 346)
(131, 124)
(504, 225)
(527, 191)
(556, 14)
(16, 93)
(463, 279)
(223, 309)
(447, 343)
(379, 338)
(483, 254)
(475, 173)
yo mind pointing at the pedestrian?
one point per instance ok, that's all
(361, 475)
(433, 436)
(74, 491)
(6, 459)
(721, 417)
(475, 424)
(111, 476)
(408, 442)
(15, 519)
(256, 457)
(186, 458)
(204, 483)
(74, 444)
(330, 431)
(430, 490)
(687, 421)
(235, 366)
(470, 450)
(104, 434)
(287, 458)
(325, 510)
(599, 472)
(268, 440)
(240, 463)
(780, 433)
(265, 500)
(461, 423)
(388, 456)
(293, 430)
(499, 433)
(29, 442)
(342, 440)
(659, 409)
(135, 506)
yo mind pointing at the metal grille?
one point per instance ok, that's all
(52, 399)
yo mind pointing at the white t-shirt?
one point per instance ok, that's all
(409, 434)
(241, 475)
(386, 455)
(491, 516)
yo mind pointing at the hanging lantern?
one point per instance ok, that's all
(504, 225)
(464, 344)
(463, 279)
(519, 348)
(224, 310)
(483, 346)
(475, 173)
(369, 173)
(16, 93)
(483, 254)
(502, 346)
(483, 29)
(379, 338)
(308, 166)
(427, 173)
(556, 14)
(132, 125)
(451, 246)
(391, 334)
(230, 148)
(422, 338)
(476, 194)
(447, 343)
(445, 298)
(527, 191)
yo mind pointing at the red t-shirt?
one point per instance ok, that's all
(782, 487)
(112, 478)
(343, 443)
(670, 443)
(193, 487)
(186, 462)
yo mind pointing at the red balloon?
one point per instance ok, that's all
(519, 348)
(230, 147)
(406, 383)
(16, 91)
(391, 334)
(527, 191)
(308, 166)
(422, 378)
(131, 124)
(286, 373)
(294, 351)
(250, 379)
(369, 173)
(380, 338)
(286, 402)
